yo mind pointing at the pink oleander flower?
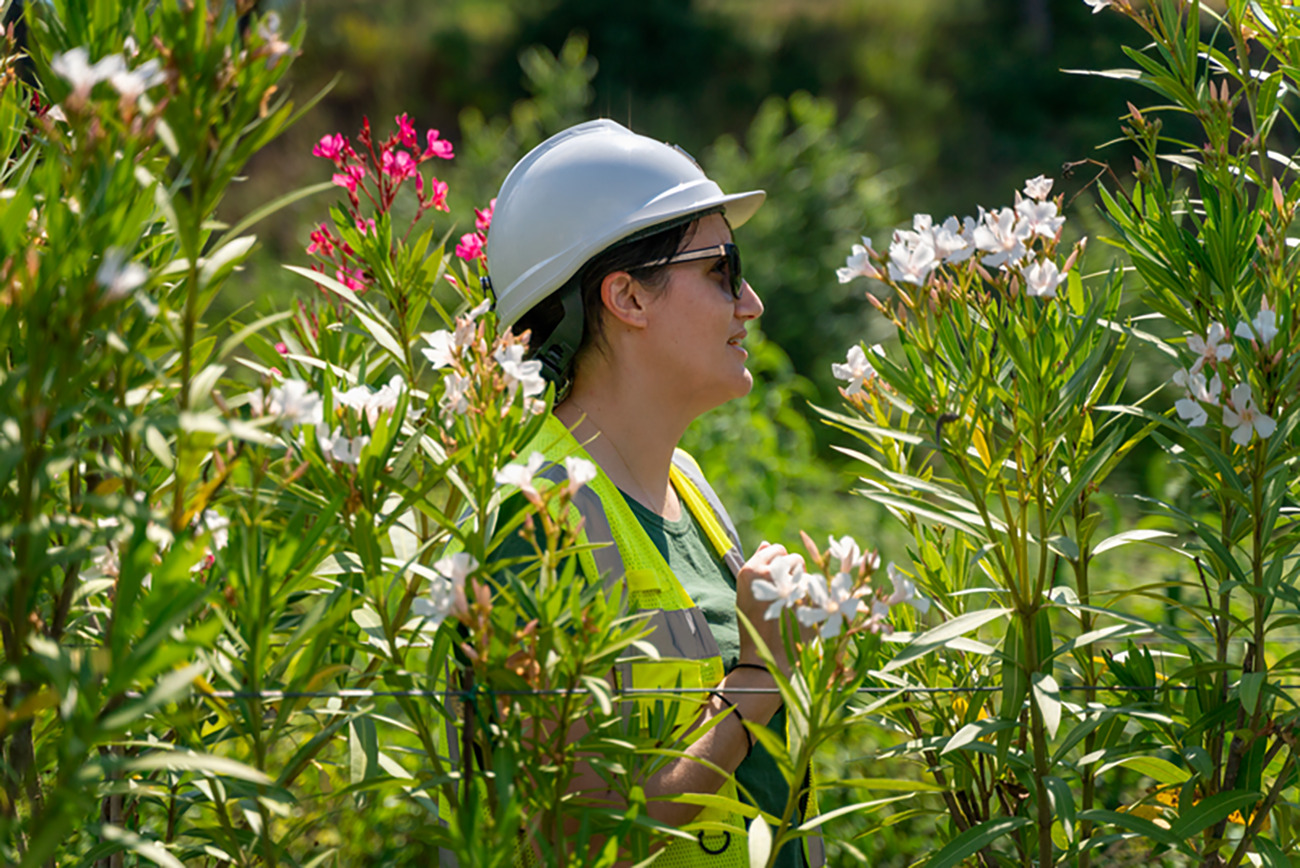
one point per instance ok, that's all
(321, 241)
(470, 247)
(1038, 218)
(353, 278)
(397, 164)
(438, 147)
(350, 177)
(483, 216)
(911, 263)
(1002, 237)
(438, 194)
(282, 348)
(406, 131)
(905, 592)
(330, 147)
(954, 241)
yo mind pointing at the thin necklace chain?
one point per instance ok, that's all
(649, 501)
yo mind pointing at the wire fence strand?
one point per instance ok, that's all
(277, 695)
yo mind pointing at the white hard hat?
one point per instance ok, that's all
(580, 191)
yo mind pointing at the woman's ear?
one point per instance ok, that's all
(625, 298)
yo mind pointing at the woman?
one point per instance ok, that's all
(616, 252)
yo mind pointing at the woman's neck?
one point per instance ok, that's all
(631, 440)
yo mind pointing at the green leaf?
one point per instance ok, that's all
(887, 784)
(383, 336)
(1047, 694)
(1251, 683)
(363, 749)
(975, 839)
(1158, 769)
(223, 260)
(1207, 812)
(817, 820)
(1128, 536)
(271, 207)
(154, 851)
(938, 637)
(1118, 74)
(236, 340)
(1134, 823)
(188, 761)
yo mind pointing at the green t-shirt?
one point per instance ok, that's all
(710, 584)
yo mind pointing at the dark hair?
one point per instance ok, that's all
(652, 244)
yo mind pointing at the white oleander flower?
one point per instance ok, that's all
(580, 472)
(340, 447)
(833, 603)
(1038, 187)
(118, 276)
(1262, 328)
(856, 370)
(447, 592)
(786, 588)
(294, 403)
(1042, 278)
(1211, 349)
(1246, 419)
(521, 475)
(859, 263)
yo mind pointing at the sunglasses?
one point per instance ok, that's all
(728, 251)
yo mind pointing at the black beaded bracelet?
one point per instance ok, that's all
(760, 667)
(749, 739)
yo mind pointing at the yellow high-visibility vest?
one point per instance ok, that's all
(689, 655)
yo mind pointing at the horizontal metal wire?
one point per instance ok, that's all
(275, 695)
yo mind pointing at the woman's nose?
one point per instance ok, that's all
(749, 305)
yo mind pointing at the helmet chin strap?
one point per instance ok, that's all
(557, 351)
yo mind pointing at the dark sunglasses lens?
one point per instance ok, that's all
(733, 269)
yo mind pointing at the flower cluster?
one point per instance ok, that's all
(578, 472)
(1003, 238)
(376, 171)
(470, 247)
(356, 410)
(836, 601)
(466, 355)
(1239, 411)
(75, 68)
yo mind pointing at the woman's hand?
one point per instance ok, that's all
(771, 563)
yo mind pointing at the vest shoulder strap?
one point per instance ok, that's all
(707, 507)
